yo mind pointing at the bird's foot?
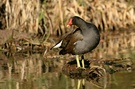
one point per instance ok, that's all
(82, 68)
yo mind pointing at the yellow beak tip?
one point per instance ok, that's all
(68, 26)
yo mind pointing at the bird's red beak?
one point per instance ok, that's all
(70, 22)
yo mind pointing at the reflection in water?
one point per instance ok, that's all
(33, 71)
(96, 75)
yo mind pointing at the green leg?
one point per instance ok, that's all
(82, 58)
(77, 60)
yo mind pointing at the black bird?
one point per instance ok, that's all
(80, 41)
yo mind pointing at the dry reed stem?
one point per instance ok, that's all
(105, 14)
(22, 15)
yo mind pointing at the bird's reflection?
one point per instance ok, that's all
(95, 75)
(81, 84)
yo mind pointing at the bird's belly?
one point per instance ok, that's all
(83, 47)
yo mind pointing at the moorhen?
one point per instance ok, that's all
(80, 41)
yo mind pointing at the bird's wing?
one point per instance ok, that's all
(68, 43)
(58, 44)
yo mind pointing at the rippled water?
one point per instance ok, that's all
(122, 80)
(35, 71)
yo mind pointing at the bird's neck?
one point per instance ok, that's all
(82, 25)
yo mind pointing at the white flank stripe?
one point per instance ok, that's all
(58, 45)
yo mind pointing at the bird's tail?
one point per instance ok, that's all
(57, 45)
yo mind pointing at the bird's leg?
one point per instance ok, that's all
(77, 60)
(82, 59)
